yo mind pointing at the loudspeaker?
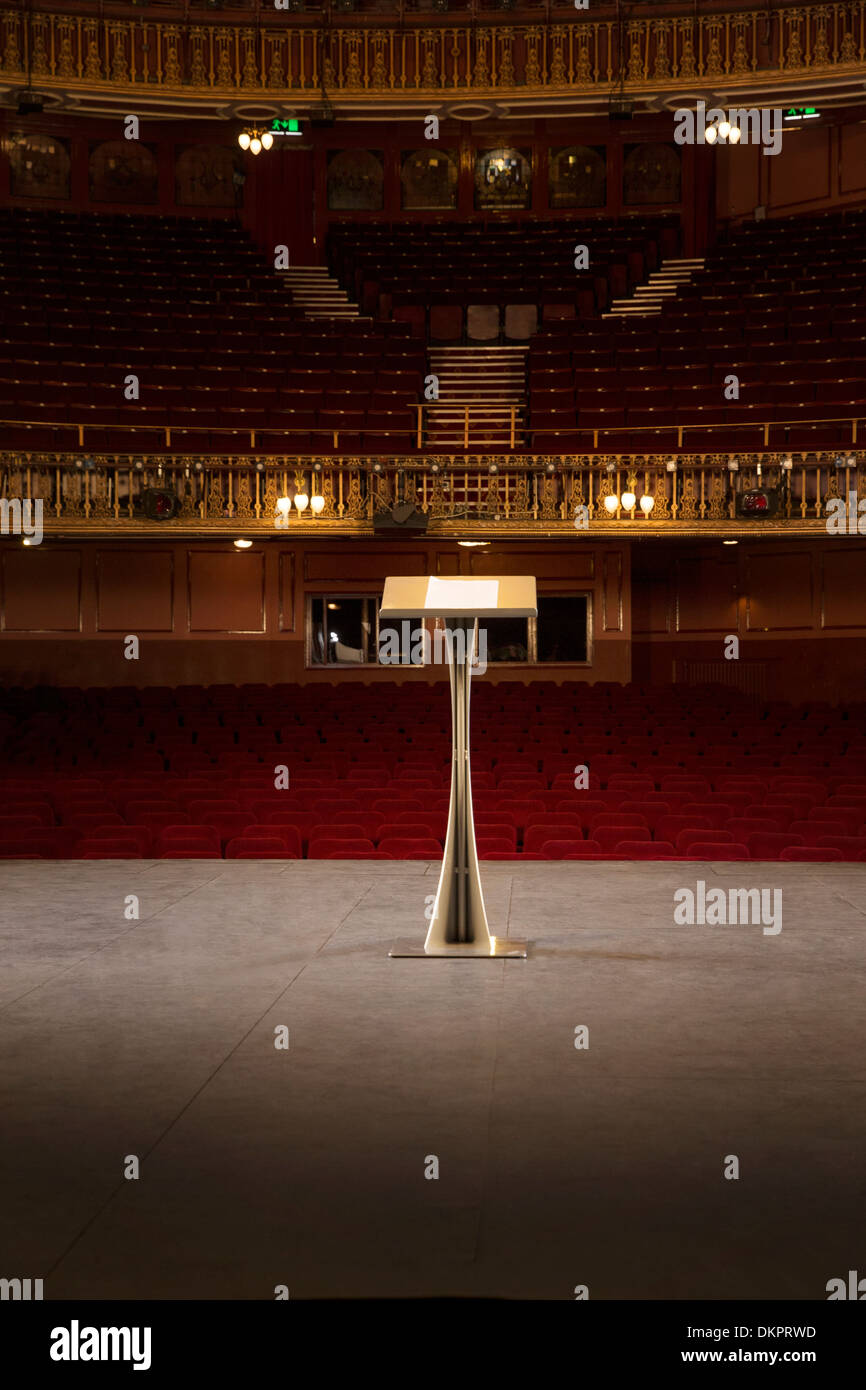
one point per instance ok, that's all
(403, 518)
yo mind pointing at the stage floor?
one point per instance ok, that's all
(305, 1167)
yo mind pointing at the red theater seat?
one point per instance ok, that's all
(710, 850)
(256, 847)
(810, 854)
(339, 849)
(401, 847)
(611, 836)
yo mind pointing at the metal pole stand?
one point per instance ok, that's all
(458, 927)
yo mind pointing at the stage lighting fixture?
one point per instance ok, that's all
(160, 504)
(30, 104)
(620, 108)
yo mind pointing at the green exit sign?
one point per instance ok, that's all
(802, 113)
(286, 126)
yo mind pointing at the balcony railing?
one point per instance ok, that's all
(469, 421)
(482, 495)
(88, 46)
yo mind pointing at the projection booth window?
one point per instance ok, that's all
(341, 629)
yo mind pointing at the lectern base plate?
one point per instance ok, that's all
(500, 948)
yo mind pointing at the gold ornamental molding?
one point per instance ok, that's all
(569, 65)
(476, 496)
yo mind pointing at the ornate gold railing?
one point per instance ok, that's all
(292, 54)
(483, 495)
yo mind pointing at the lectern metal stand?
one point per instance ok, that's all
(458, 926)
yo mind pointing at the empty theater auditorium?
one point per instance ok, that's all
(433, 656)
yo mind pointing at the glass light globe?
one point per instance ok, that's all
(711, 135)
(735, 135)
(255, 145)
(244, 139)
(242, 544)
(628, 501)
(267, 140)
(647, 504)
(611, 503)
(317, 503)
(302, 501)
(724, 129)
(284, 505)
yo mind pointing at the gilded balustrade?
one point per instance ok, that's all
(473, 495)
(288, 53)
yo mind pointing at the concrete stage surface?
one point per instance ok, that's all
(305, 1167)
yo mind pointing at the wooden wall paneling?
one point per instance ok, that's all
(134, 592)
(842, 585)
(42, 589)
(226, 590)
(779, 590)
(705, 594)
(611, 591)
(288, 620)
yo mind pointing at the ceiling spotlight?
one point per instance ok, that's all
(730, 542)
(470, 544)
(242, 545)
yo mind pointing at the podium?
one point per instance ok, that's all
(458, 926)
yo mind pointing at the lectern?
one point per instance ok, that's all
(458, 927)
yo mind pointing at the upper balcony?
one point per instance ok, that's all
(395, 57)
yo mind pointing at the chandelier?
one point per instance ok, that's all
(255, 140)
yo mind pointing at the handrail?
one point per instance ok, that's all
(725, 427)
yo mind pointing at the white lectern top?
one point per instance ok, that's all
(500, 596)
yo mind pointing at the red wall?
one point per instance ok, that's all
(820, 166)
(205, 612)
(796, 606)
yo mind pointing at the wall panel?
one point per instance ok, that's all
(135, 597)
(780, 591)
(226, 591)
(41, 589)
